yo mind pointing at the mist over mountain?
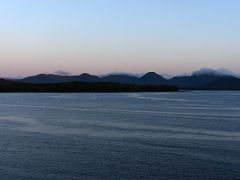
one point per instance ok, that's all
(217, 72)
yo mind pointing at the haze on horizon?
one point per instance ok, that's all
(102, 36)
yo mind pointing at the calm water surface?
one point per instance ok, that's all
(184, 135)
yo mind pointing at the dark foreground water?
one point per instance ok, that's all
(185, 135)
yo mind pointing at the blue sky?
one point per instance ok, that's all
(102, 36)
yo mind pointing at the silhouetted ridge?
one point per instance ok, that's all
(201, 79)
(44, 78)
(224, 83)
(85, 78)
(126, 79)
(149, 78)
(50, 79)
(5, 82)
(192, 81)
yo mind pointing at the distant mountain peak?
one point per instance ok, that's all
(41, 75)
(86, 75)
(153, 78)
(151, 74)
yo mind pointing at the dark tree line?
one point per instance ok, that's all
(83, 87)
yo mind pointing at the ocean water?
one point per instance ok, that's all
(182, 136)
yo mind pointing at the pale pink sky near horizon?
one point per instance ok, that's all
(133, 36)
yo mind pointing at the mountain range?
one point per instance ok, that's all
(204, 79)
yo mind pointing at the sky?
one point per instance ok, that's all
(103, 36)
